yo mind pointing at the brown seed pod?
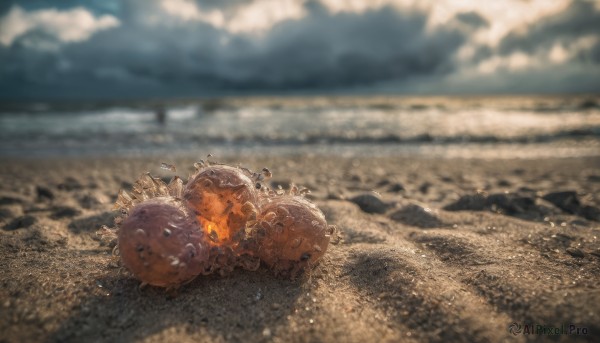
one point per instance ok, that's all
(223, 199)
(161, 242)
(291, 234)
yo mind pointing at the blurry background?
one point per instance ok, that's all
(386, 77)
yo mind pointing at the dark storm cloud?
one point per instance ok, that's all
(592, 55)
(319, 51)
(580, 19)
(326, 50)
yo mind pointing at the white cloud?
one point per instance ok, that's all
(69, 26)
(262, 15)
(254, 16)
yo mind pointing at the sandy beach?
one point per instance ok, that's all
(453, 148)
(428, 250)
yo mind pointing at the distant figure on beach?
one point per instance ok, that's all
(161, 115)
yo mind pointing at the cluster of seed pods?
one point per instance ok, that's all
(223, 217)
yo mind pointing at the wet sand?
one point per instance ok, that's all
(446, 250)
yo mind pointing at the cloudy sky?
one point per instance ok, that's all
(71, 49)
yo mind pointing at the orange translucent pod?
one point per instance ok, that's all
(161, 242)
(223, 199)
(291, 234)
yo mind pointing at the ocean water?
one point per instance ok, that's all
(482, 127)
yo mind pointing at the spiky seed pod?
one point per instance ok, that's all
(223, 199)
(161, 242)
(291, 234)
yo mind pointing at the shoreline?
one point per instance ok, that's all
(584, 148)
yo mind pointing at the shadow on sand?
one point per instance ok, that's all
(245, 306)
